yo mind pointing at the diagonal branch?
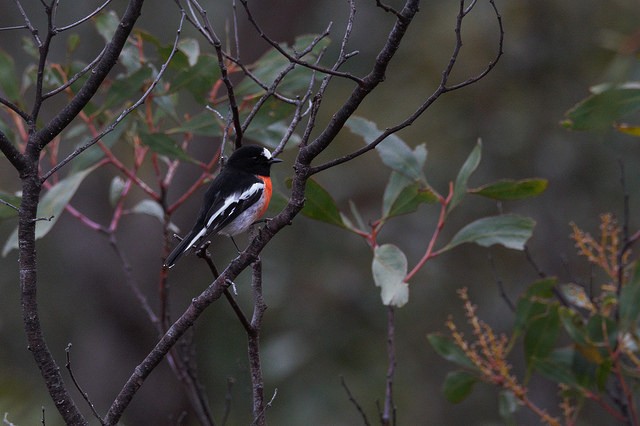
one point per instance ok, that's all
(124, 113)
(15, 157)
(93, 83)
(294, 58)
(81, 21)
(440, 90)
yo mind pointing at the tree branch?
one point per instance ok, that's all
(93, 83)
(123, 114)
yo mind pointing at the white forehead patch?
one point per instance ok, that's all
(266, 153)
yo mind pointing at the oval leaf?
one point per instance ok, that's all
(509, 189)
(51, 206)
(458, 385)
(164, 145)
(511, 231)
(607, 105)
(389, 268)
(319, 205)
(469, 166)
(447, 349)
(393, 151)
(154, 209)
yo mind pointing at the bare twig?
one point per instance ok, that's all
(124, 113)
(84, 394)
(200, 20)
(8, 204)
(257, 382)
(442, 88)
(84, 19)
(294, 58)
(27, 22)
(389, 414)
(365, 420)
(500, 284)
(76, 76)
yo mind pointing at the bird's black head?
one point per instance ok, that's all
(253, 159)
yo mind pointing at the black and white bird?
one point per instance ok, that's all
(236, 198)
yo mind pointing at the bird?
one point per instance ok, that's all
(236, 198)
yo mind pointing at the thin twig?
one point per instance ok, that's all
(293, 58)
(8, 204)
(86, 18)
(500, 284)
(124, 113)
(388, 415)
(365, 420)
(442, 88)
(76, 76)
(27, 22)
(84, 394)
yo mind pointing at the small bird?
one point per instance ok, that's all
(237, 197)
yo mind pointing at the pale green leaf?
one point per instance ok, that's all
(393, 151)
(51, 206)
(509, 230)
(469, 166)
(115, 190)
(389, 269)
(153, 209)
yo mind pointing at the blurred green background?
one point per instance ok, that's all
(325, 320)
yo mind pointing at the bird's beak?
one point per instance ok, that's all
(275, 160)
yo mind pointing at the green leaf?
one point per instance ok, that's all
(389, 269)
(458, 385)
(204, 123)
(94, 154)
(409, 199)
(393, 151)
(596, 326)
(72, 43)
(199, 79)
(125, 88)
(6, 211)
(469, 166)
(164, 145)
(573, 324)
(533, 304)
(272, 63)
(630, 300)
(107, 24)
(541, 334)
(8, 77)
(319, 205)
(559, 366)
(447, 349)
(509, 189)
(511, 231)
(51, 206)
(605, 106)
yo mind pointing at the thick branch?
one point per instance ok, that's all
(97, 76)
(14, 156)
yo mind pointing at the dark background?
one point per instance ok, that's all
(325, 319)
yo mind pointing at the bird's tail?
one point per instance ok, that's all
(177, 252)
